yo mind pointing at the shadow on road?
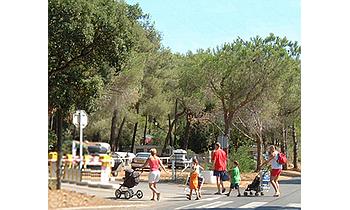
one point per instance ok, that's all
(290, 181)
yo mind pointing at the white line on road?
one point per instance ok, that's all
(214, 205)
(295, 205)
(253, 205)
(210, 198)
(183, 207)
(192, 204)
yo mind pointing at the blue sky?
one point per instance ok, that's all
(193, 24)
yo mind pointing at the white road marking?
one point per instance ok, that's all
(253, 205)
(183, 207)
(214, 205)
(196, 202)
(295, 205)
(210, 198)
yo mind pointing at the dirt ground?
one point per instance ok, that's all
(64, 199)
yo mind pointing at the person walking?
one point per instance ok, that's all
(154, 175)
(194, 175)
(219, 165)
(235, 179)
(276, 169)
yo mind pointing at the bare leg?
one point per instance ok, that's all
(156, 191)
(277, 185)
(229, 192)
(272, 180)
(190, 196)
(218, 183)
(222, 185)
(150, 185)
(197, 194)
(239, 193)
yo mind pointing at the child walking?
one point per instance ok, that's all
(235, 179)
(194, 180)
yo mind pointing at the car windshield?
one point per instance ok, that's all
(143, 155)
(97, 150)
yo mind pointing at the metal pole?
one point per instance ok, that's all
(81, 142)
(73, 149)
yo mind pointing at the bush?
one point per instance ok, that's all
(244, 158)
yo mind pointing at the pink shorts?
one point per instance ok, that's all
(276, 172)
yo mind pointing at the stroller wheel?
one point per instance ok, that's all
(245, 194)
(261, 193)
(127, 195)
(256, 194)
(118, 193)
(131, 192)
(251, 193)
(139, 194)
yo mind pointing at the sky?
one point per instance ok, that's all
(193, 24)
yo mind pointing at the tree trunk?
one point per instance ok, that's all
(284, 144)
(187, 133)
(295, 148)
(145, 132)
(168, 136)
(172, 143)
(59, 148)
(113, 129)
(258, 148)
(117, 142)
(135, 130)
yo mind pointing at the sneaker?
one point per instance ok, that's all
(197, 198)
(228, 194)
(217, 193)
(223, 190)
(239, 195)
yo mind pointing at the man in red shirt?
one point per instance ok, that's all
(219, 164)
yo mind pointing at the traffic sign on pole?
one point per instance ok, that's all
(80, 120)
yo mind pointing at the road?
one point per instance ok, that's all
(173, 197)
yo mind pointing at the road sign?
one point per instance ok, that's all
(80, 120)
(80, 117)
(223, 140)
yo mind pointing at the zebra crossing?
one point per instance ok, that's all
(210, 204)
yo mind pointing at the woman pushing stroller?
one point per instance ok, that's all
(154, 175)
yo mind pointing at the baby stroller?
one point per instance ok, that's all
(131, 179)
(259, 184)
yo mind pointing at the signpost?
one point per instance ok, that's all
(80, 120)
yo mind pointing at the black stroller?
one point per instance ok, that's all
(131, 179)
(259, 184)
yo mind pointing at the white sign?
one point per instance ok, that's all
(80, 120)
(223, 140)
(80, 117)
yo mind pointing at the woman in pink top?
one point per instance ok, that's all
(154, 175)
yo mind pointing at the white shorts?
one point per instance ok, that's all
(154, 176)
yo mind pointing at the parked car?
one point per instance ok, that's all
(181, 159)
(139, 160)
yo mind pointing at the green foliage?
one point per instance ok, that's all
(52, 141)
(244, 157)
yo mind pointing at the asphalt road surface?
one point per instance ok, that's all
(173, 197)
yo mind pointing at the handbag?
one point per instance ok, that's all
(225, 176)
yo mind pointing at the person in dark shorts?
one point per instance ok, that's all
(235, 179)
(219, 159)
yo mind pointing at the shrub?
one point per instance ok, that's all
(244, 158)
